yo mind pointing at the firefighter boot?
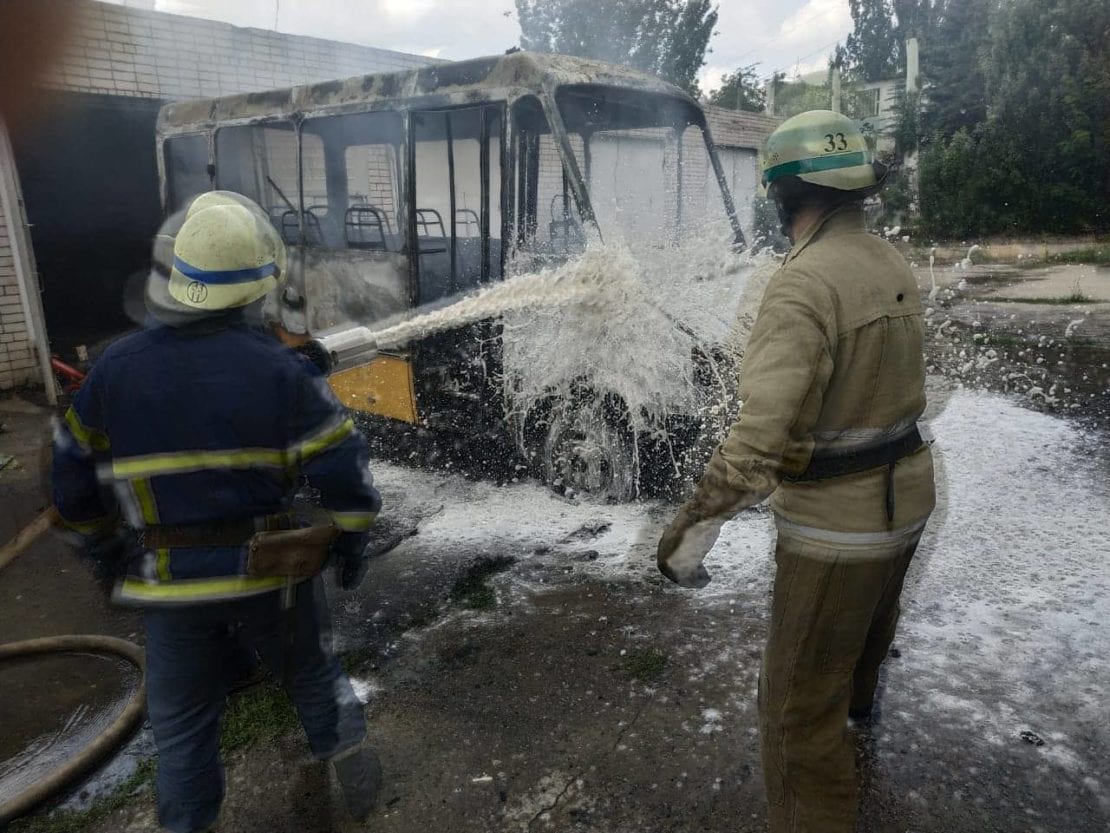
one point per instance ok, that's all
(360, 776)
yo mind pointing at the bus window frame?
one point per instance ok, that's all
(693, 114)
(502, 107)
(214, 144)
(168, 198)
(398, 162)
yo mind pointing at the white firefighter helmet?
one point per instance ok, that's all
(225, 256)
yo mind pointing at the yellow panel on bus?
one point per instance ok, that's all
(383, 387)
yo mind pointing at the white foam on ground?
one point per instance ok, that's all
(1005, 611)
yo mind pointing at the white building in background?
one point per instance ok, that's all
(739, 137)
(79, 192)
(874, 104)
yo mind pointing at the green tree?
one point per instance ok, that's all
(955, 58)
(1048, 95)
(667, 38)
(793, 97)
(874, 48)
(1034, 155)
(740, 90)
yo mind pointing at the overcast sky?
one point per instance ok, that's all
(785, 35)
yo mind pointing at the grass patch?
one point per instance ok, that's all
(74, 821)
(645, 664)
(472, 590)
(262, 713)
(1002, 340)
(1097, 255)
(1093, 255)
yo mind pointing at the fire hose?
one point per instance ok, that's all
(108, 740)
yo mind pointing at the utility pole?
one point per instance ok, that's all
(912, 99)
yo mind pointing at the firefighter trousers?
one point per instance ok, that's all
(193, 654)
(834, 614)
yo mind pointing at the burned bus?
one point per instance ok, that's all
(403, 190)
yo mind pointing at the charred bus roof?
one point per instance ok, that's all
(447, 84)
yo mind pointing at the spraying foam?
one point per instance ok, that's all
(632, 329)
(579, 282)
(638, 340)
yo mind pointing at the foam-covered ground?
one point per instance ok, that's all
(1004, 624)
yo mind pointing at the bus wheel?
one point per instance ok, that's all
(588, 452)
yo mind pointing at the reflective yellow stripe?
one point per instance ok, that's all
(87, 438)
(196, 589)
(145, 497)
(330, 436)
(353, 521)
(92, 527)
(149, 507)
(180, 462)
(162, 565)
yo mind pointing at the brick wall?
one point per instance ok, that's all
(126, 51)
(371, 177)
(738, 129)
(16, 360)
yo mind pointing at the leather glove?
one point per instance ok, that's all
(684, 546)
(351, 559)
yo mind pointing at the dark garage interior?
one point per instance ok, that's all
(90, 185)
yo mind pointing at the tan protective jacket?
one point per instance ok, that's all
(835, 361)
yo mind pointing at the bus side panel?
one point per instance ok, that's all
(384, 387)
(347, 288)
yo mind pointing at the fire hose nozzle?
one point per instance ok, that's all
(340, 350)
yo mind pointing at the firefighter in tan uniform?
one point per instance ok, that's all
(832, 387)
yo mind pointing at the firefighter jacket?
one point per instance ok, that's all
(835, 364)
(198, 426)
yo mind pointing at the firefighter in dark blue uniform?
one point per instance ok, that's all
(180, 458)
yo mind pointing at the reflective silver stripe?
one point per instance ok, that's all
(129, 502)
(847, 539)
(862, 437)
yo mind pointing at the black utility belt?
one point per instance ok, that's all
(825, 466)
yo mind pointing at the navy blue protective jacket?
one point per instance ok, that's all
(208, 423)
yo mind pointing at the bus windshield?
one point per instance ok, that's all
(646, 164)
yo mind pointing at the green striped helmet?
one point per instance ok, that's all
(820, 147)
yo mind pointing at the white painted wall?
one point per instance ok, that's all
(742, 174)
